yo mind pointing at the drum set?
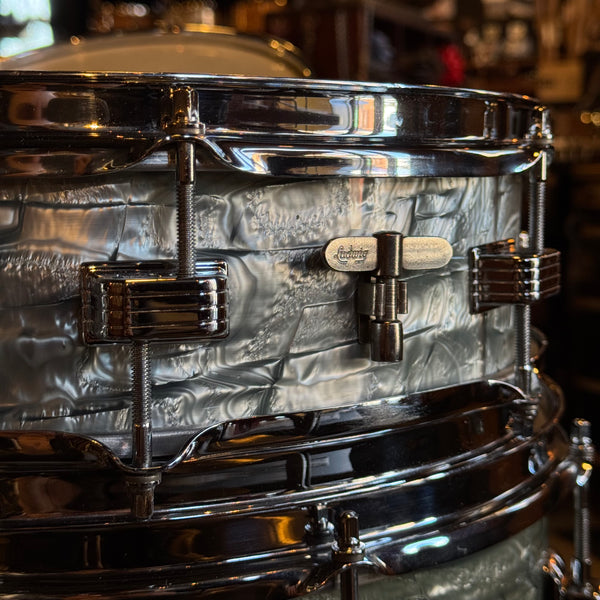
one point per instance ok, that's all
(267, 336)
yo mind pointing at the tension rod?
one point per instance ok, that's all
(182, 119)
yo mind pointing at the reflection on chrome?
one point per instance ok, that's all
(437, 128)
(438, 541)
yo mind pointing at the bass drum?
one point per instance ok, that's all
(262, 447)
(210, 50)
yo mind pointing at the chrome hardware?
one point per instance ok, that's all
(542, 134)
(382, 295)
(180, 112)
(348, 550)
(142, 413)
(141, 485)
(160, 300)
(582, 452)
(540, 129)
(520, 273)
(382, 299)
(507, 272)
(127, 301)
(504, 273)
(404, 457)
(320, 525)
(578, 584)
(281, 127)
(182, 123)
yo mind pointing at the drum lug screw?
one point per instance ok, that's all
(319, 525)
(158, 300)
(142, 404)
(582, 453)
(536, 212)
(141, 490)
(519, 272)
(348, 550)
(382, 294)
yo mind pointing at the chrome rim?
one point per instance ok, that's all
(82, 123)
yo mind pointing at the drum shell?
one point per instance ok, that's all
(292, 344)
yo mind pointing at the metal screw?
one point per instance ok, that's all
(142, 496)
(348, 549)
(537, 208)
(141, 413)
(522, 314)
(186, 222)
(583, 451)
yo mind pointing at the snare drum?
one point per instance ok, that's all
(313, 282)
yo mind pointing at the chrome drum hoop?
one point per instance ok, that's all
(70, 124)
(248, 506)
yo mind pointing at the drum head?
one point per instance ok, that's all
(218, 52)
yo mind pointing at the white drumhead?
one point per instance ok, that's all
(218, 52)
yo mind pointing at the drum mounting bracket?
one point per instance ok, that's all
(348, 555)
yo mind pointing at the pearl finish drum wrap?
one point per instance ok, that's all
(293, 341)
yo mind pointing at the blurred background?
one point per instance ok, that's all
(546, 48)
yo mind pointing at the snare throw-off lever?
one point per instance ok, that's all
(382, 296)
